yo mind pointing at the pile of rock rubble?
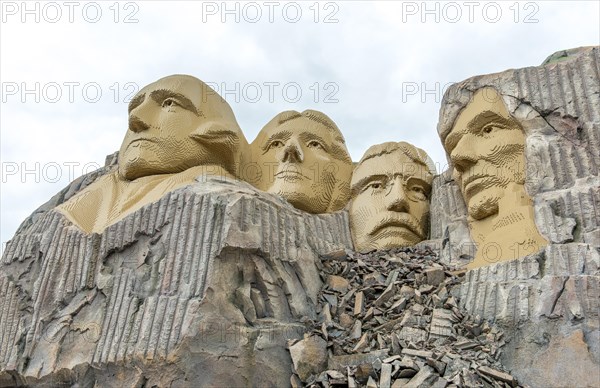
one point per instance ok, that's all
(389, 319)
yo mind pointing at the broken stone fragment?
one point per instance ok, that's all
(373, 279)
(362, 343)
(348, 360)
(497, 375)
(337, 283)
(386, 295)
(400, 383)
(346, 320)
(419, 353)
(364, 372)
(424, 378)
(439, 366)
(359, 303)
(334, 374)
(309, 356)
(434, 276)
(356, 331)
(385, 380)
(371, 383)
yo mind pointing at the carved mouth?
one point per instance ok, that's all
(397, 223)
(141, 140)
(290, 175)
(474, 183)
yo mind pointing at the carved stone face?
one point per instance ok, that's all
(163, 135)
(486, 146)
(390, 201)
(302, 162)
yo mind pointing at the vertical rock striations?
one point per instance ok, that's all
(212, 278)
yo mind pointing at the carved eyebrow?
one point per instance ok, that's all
(281, 135)
(330, 147)
(473, 126)
(162, 94)
(452, 140)
(417, 180)
(305, 136)
(358, 186)
(485, 118)
(136, 101)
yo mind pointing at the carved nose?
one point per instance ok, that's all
(463, 155)
(396, 198)
(137, 125)
(292, 153)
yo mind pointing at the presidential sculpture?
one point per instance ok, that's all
(303, 158)
(486, 146)
(179, 129)
(166, 268)
(390, 197)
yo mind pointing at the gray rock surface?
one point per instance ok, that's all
(203, 287)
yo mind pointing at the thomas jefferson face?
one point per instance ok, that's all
(390, 202)
(301, 162)
(486, 146)
(162, 117)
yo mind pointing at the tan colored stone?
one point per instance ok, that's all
(179, 129)
(487, 148)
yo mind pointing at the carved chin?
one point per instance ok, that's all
(128, 172)
(135, 168)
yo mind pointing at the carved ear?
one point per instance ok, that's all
(224, 143)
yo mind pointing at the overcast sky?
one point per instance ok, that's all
(378, 69)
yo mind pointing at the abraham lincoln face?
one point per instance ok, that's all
(487, 149)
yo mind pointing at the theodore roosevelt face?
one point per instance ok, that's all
(390, 199)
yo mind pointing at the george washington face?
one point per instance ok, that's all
(176, 123)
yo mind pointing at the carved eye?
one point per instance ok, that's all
(373, 186)
(169, 102)
(491, 127)
(276, 144)
(314, 144)
(418, 192)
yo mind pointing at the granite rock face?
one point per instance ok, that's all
(203, 287)
(547, 301)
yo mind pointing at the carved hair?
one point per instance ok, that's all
(415, 154)
(339, 144)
